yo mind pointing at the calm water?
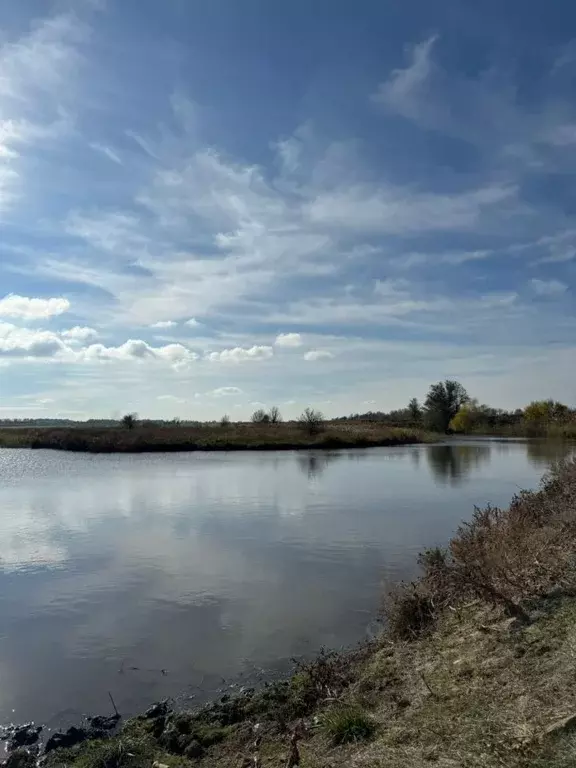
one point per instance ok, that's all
(155, 576)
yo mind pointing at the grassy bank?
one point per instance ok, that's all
(565, 431)
(476, 668)
(209, 437)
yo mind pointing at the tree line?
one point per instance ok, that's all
(449, 408)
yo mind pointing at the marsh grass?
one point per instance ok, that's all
(209, 437)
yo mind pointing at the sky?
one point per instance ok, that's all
(210, 207)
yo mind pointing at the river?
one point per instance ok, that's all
(177, 575)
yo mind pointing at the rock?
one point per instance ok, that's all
(101, 723)
(24, 736)
(156, 726)
(194, 750)
(72, 737)
(159, 709)
(565, 725)
(20, 758)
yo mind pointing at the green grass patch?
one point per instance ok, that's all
(348, 724)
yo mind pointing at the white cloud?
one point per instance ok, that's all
(172, 399)
(404, 86)
(548, 287)
(32, 308)
(43, 60)
(192, 323)
(164, 324)
(225, 391)
(25, 342)
(393, 210)
(107, 152)
(32, 72)
(241, 354)
(80, 334)
(318, 354)
(176, 355)
(288, 340)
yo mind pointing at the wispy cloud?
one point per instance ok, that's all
(107, 152)
(548, 287)
(134, 219)
(225, 391)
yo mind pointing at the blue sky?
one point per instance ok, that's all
(210, 206)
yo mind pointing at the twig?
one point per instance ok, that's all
(430, 691)
(113, 704)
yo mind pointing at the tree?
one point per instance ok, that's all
(129, 421)
(443, 402)
(260, 417)
(225, 420)
(546, 411)
(414, 410)
(311, 421)
(275, 415)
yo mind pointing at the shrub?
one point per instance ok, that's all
(409, 611)
(345, 724)
(311, 421)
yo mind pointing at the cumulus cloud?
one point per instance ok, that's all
(548, 287)
(28, 308)
(79, 334)
(25, 342)
(66, 346)
(176, 355)
(192, 323)
(241, 354)
(288, 340)
(164, 324)
(318, 354)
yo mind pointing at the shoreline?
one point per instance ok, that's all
(284, 437)
(475, 668)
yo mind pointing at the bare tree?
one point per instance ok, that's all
(311, 421)
(260, 417)
(275, 415)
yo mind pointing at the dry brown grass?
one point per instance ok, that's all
(208, 437)
(504, 556)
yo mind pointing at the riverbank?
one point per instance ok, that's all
(210, 437)
(476, 668)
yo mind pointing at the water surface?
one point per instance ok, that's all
(160, 575)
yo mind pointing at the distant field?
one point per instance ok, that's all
(209, 437)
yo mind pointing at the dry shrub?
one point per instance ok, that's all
(503, 556)
(409, 610)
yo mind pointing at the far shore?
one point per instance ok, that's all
(211, 437)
